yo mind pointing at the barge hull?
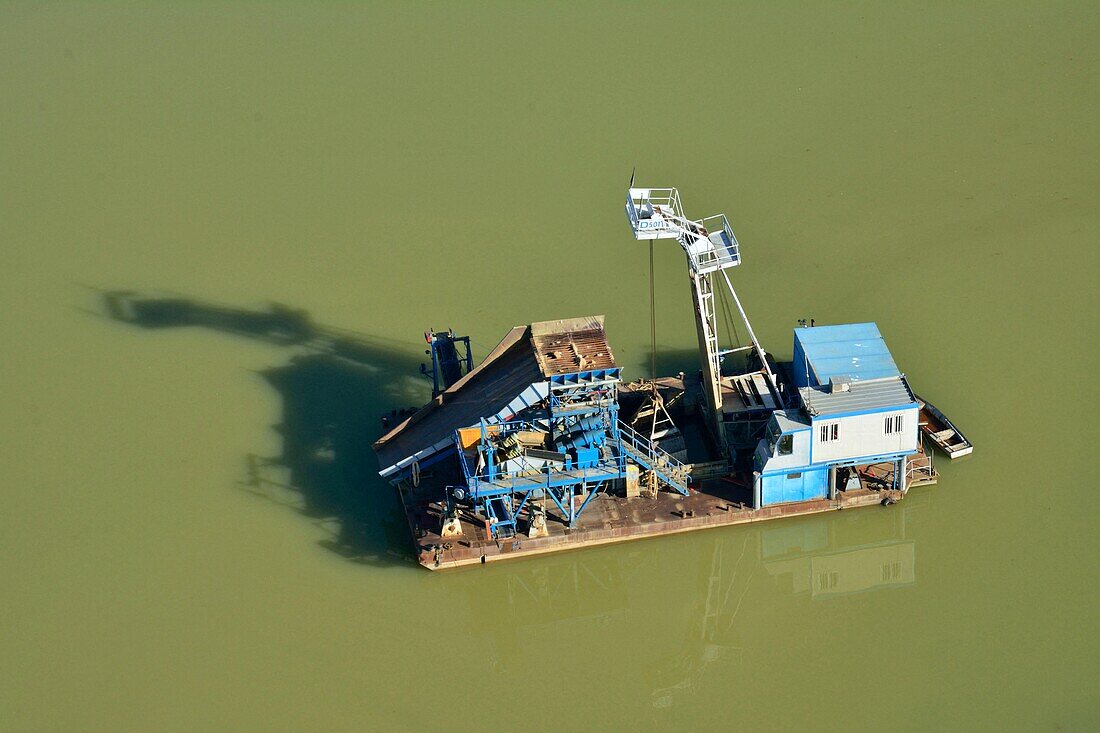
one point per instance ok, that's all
(611, 518)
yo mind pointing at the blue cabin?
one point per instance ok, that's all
(855, 408)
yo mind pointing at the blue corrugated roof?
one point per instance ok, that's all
(853, 350)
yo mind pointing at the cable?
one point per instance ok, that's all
(727, 316)
(652, 318)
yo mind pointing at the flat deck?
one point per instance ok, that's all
(610, 517)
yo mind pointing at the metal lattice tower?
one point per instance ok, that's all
(711, 247)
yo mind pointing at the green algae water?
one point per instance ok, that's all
(192, 535)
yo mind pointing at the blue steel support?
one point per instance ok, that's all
(581, 419)
(447, 362)
(469, 354)
(554, 497)
(591, 494)
(490, 453)
(523, 503)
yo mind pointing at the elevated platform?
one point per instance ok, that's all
(554, 478)
(656, 213)
(748, 393)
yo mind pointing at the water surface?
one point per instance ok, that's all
(396, 167)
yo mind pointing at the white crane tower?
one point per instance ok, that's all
(710, 245)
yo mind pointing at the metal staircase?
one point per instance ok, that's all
(639, 449)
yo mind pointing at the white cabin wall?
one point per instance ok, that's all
(863, 435)
(799, 456)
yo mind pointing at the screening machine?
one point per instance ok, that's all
(538, 419)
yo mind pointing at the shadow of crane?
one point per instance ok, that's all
(333, 390)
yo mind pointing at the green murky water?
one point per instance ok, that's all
(398, 167)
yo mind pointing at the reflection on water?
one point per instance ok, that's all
(817, 558)
(716, 603)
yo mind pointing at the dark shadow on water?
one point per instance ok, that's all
(334, 390)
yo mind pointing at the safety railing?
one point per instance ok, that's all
(533, 479)
(656, 213)
(665, 465)
(711, 244)
(648, 210)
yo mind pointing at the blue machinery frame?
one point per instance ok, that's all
(448, 363)
(589, 448)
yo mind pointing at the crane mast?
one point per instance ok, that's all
(710, 247)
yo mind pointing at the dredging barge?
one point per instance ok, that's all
(542, 447)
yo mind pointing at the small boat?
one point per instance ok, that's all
(942, 432)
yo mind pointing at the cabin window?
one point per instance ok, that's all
(829, 432)
(893, 424)
(786, 445)
(793, 476)
(828, 580)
